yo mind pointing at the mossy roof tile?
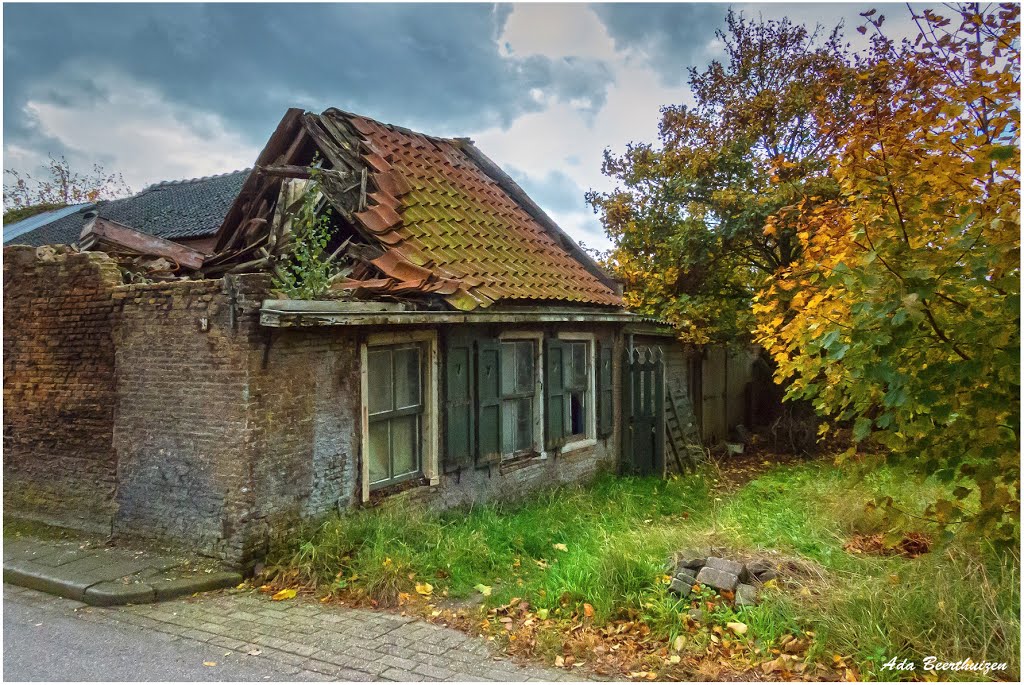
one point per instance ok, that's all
(465, 224)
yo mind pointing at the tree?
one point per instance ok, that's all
(902, 314)
(26, 196)
(688, 217)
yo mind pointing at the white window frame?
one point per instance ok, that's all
(430, 437)
(591, 398)
(538, 404)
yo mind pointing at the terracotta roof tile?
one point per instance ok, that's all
(454, 231)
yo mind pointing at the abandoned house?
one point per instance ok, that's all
(155, 386)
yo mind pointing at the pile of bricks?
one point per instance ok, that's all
(694, 569)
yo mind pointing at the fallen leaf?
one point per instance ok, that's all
(542, 614)
(737, 627)
(678, 643)
(424, 589)
(588, 611)
(287, 593)
(209, 663)
(484, 590)
(560, 547)
(559, 661)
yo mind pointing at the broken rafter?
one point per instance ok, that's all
(257, 231)
(114, 237)
(294, 171)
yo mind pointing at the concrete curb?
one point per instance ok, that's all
(113, 593)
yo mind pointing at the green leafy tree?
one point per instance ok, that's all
(688, 217)
(902, 314)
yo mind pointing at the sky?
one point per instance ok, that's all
(161, 92)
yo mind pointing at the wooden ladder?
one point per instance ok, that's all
(686, 449)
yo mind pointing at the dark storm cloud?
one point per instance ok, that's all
(434, 67)
(673, 37)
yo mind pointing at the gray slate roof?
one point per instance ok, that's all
(193, 208)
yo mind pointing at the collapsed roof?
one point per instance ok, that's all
(416, 215)
(429, 221)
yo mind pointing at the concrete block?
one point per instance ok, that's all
(746, 595)
(718, 579)
(727, 565)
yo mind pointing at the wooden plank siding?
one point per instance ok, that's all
(723, 399)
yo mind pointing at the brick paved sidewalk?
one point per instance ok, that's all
(314, 641)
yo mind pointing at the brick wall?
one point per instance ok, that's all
(305, 428)
(181, 437)
(59, 386)
(226, 430)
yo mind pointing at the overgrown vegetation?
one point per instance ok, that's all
(305, 273)
(869, 208)
(60, 186)
(903, 314)
(19, 213)
(589, 560)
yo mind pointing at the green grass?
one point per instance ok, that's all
(512, 547)
(959, 601)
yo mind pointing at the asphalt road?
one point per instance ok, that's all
(50, 643)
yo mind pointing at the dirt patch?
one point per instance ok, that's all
(736, 470)
(911, 545)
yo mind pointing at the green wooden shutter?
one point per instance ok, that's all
(488, 393)
(605, 422)
(555, 423)
(459, 414)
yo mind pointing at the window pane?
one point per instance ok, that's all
(524, 424)
(577, 422)
(508, 368)
(508, 426)
(379, 466)
(517, 367)
(378, 379)
(407, 377)
(405, 452)
(524, 367)
(579, 365)
(516, 426)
